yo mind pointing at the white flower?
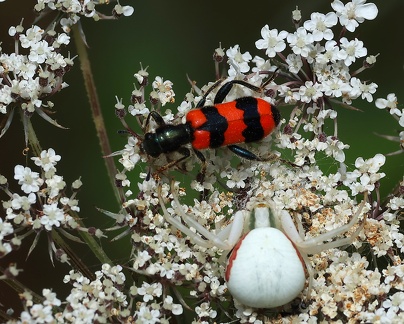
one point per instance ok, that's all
(332, 53)
(138, 109)
(355, 12)
(272, 41)
(29, 181)
(52, 216)
(336, 149)
(50, 298)
(147, 316)
(367, 90)
(41, 314)
(390, 103)
(141, 259)
(142, 75)
(295, 63)
(130, 154)
(164, 90)
(23, 202)
(71, 203)
(367, 171)
(47, 160)
(320, 25)
(149, 291)
(5, 229)
(238, 62)
(54, 185)
(168, 304)
(351, 50)
(310, 91)
(334, 87)
(314, 50)
(124, 10)
(31, 37)
(39, 52)
(205, 311)
(299, 41)
(62, 38)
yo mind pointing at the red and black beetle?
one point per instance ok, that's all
(244, 120)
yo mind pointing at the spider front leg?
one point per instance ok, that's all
(225, 239)
(316, 244)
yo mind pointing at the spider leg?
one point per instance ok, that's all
(289, 228)
(235, 229)
(177, 224)
(218, 240)
(337, 243)
(316, 244)
(310, 272)
(224, 239)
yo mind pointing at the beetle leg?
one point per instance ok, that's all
(225, 89)
(157, 118)
(201, 103)
(244, 153)
(182, 150)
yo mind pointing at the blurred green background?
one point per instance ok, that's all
(175, 38)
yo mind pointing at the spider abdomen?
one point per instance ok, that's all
(264, 269)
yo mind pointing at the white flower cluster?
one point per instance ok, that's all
(89, 301)
(43, 206)
(101, 299)
(75, 8)
(39, 313)
(28, 80)
(315, 72)
(390, 104)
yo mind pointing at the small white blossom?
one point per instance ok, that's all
(150, 291)
(5, 229)
(47, 160)
(164, 90)
(29, 181)
(124, 10)
(310, 92)
(320, 25)
(176, 309)
(52, 216)
(351, 50)
(294, 62)
(354, 13)
(390, 103)
(299, 41)
(238, 62)
(272, 41)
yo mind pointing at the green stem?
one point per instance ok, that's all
(74, 259)
(95, 107)
(87, 238)
(21, 288)
(32, 138)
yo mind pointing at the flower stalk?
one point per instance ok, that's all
(184, 204)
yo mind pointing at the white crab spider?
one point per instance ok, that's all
(266, 267)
